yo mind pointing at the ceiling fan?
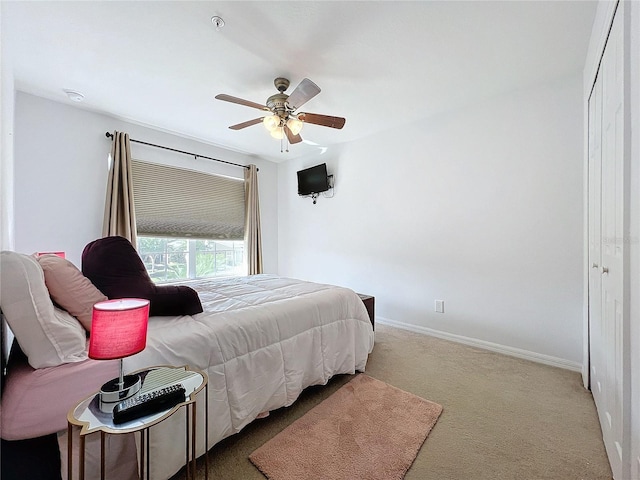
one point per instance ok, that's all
(282, 119)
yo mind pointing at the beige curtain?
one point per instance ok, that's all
(119, 211)
(252, 235)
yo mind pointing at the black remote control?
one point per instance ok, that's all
(148, 403)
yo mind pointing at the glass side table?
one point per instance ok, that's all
(90, 418)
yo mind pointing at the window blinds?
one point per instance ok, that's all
(176, 202)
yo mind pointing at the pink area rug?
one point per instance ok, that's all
(366, 430)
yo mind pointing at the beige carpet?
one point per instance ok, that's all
(504, 418)
(367, 430)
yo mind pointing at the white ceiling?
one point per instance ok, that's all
(379, 64)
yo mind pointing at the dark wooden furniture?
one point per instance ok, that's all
(34, 458)
(369, 303)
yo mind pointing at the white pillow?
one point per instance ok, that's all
(47, 335)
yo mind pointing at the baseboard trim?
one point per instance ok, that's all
(494, 347)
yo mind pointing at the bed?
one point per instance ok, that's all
(261, 340)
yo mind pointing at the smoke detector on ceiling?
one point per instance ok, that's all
(218, 22)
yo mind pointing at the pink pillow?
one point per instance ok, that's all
(69, 288)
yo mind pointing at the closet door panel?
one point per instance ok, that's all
(596, 350)
(611, 401)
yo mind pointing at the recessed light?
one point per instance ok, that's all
(74, 96)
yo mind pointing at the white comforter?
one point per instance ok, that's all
(261, 339)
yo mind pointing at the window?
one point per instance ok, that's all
(175, 259)
(179, 203)
(190, 224)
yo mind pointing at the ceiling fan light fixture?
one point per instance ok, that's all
(271, 122)
(279, 115)
(294, 125)
(278, 133)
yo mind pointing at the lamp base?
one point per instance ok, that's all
(112, 393)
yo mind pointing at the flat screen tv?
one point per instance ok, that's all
(313, 180)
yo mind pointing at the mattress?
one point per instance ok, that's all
(261, 340)
(35, 402)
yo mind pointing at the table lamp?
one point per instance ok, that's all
(118, 330)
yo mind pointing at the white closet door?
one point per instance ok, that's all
(596, 347)
(606, 295)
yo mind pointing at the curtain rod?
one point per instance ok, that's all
(110, 135)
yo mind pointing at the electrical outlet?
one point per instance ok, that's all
(440, 306)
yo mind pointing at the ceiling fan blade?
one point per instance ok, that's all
(324, 120)
(246, 124)
(292, 138)
(240, 101)
(304, 92)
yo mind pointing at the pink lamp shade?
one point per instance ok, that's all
(60, 254)
(118, 328)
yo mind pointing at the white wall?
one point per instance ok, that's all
(7, 99)
(61, 171)
(7, 105)
(634, 234)
(481, 208)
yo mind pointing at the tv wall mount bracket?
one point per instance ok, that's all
(314, 196)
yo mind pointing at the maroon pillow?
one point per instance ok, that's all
(116, 269)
